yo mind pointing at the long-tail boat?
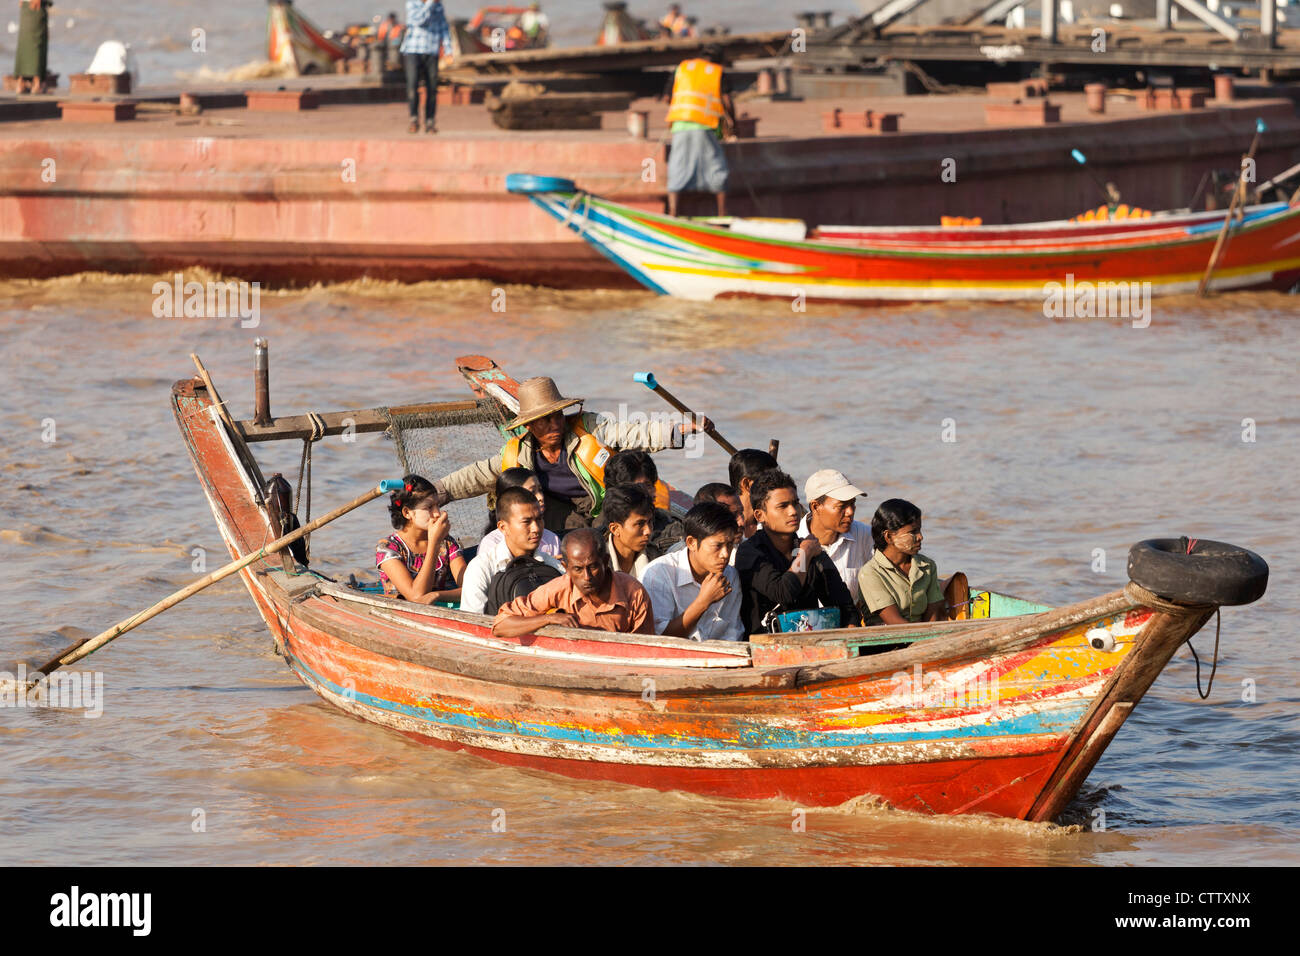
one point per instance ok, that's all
(978, 714)
(1161, 254)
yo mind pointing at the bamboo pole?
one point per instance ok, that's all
(86, 647)
(1238, 196)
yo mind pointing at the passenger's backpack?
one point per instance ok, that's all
(521, 576)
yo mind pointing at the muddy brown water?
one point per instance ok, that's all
(1071, 436)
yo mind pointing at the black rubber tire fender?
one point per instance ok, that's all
(1211, 572)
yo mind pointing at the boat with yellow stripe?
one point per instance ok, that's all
(1156, 253)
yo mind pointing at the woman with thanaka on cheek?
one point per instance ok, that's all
(420, 561)
(899, 585)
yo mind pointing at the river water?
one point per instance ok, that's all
(1070, 436)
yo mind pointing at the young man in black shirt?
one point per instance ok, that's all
(764, 561)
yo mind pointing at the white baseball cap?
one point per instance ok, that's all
(833, 483)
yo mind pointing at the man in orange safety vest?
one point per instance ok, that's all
(701, 100)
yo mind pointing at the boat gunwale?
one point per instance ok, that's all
(1086, 245)
(999, 636)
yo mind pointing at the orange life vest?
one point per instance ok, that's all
(697, 93)
(591, 458)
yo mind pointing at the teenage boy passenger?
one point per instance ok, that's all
(780, 573)
(519, 519)
(694, 591)
(746, 465)
(629, 513)
(632, 466)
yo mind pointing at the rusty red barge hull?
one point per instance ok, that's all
(291, 202)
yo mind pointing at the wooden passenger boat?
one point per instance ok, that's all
(709, 259)
(998, 715)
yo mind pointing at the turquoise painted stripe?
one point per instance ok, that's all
(1058, 719)
(593, 213)
(627, 231)
(1216, 225)
(608, 253)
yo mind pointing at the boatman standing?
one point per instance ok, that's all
(701, 99)
(567, 452)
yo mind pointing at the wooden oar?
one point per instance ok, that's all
(86, 647)
(1238, 196)
(648, 380)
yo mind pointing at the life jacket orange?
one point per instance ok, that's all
(590, 458)
(1106, 213)
(697, 93)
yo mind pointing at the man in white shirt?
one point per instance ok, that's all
(519, 518)
(495, 539)
(694, 592)
(832, 501)
(724, 495)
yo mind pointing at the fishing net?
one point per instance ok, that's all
(432, 442)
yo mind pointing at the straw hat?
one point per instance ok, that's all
(538, 397)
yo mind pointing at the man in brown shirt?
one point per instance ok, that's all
(589, 594)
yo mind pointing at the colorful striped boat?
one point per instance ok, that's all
(988, 714)
(704, 259)
(296, 44)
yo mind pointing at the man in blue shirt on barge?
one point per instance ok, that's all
(425, 35)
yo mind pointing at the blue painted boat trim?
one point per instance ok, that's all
(1217, 224)
(1059, 719)
(600, 247)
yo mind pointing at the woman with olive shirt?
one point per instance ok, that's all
(899, 584)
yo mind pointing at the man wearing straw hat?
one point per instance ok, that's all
(568, 453)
